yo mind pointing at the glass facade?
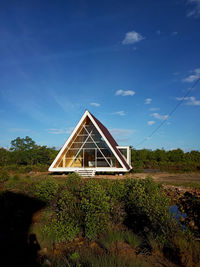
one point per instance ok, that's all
(87, 149)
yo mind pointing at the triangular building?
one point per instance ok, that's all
(90, 149)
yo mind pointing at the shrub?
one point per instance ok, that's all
(116, 189)
(69, 214)
(4, 176)
(27, 169)
(65, 223)
(117, 211)
(73, 182)
(96, 207)
(147, 206)
(46, 190)
(58, 231)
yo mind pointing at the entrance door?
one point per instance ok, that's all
(89, 157)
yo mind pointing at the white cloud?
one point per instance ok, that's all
(60, 130)
(193, 77)
(148, 101)
(56, 131)
(195, 12)
(121, 113)
(159, 117)
(191, 101)
(150, 122)
(95, 104)
(132, 38)
(182, 98)
(121, 132)
(125, 92)
(154, 109)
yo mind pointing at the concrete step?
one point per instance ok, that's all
(86, 173)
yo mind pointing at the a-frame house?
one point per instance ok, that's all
(90, 149)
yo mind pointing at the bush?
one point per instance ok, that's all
(148, 208)
(65, 224)
(116, 189)
(69, 214)
(96, 209)
(46, 190)
(4, 176)
(73, 182)
(58, 231)
(117, 211)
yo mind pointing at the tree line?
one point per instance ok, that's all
(172, 160)
(25, 152)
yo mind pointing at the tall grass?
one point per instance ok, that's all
(107, 260)
(109, 238)
(132, 239)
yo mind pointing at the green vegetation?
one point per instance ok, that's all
(96, 209)
(182, 183)
(46, 190)
(112, 236)
(132, 239)
(111, 261)
(146, 200)
(25, 155)
(174, 160)
(100, 222)
(4, 176)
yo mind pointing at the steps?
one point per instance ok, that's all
(86, 173)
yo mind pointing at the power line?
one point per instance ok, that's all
(170, 114)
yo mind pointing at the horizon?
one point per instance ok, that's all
(128, 63)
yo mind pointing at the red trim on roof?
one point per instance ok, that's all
(111, 140)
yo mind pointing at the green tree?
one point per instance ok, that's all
(4, 156)
(160, 155)
(26, 152)
(22, 144)
(176, 155)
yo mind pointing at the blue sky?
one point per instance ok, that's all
(127, 62)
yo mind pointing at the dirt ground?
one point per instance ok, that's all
(171, 177)
(193, 177)
(161, 177)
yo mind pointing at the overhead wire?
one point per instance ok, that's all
(170, 114)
